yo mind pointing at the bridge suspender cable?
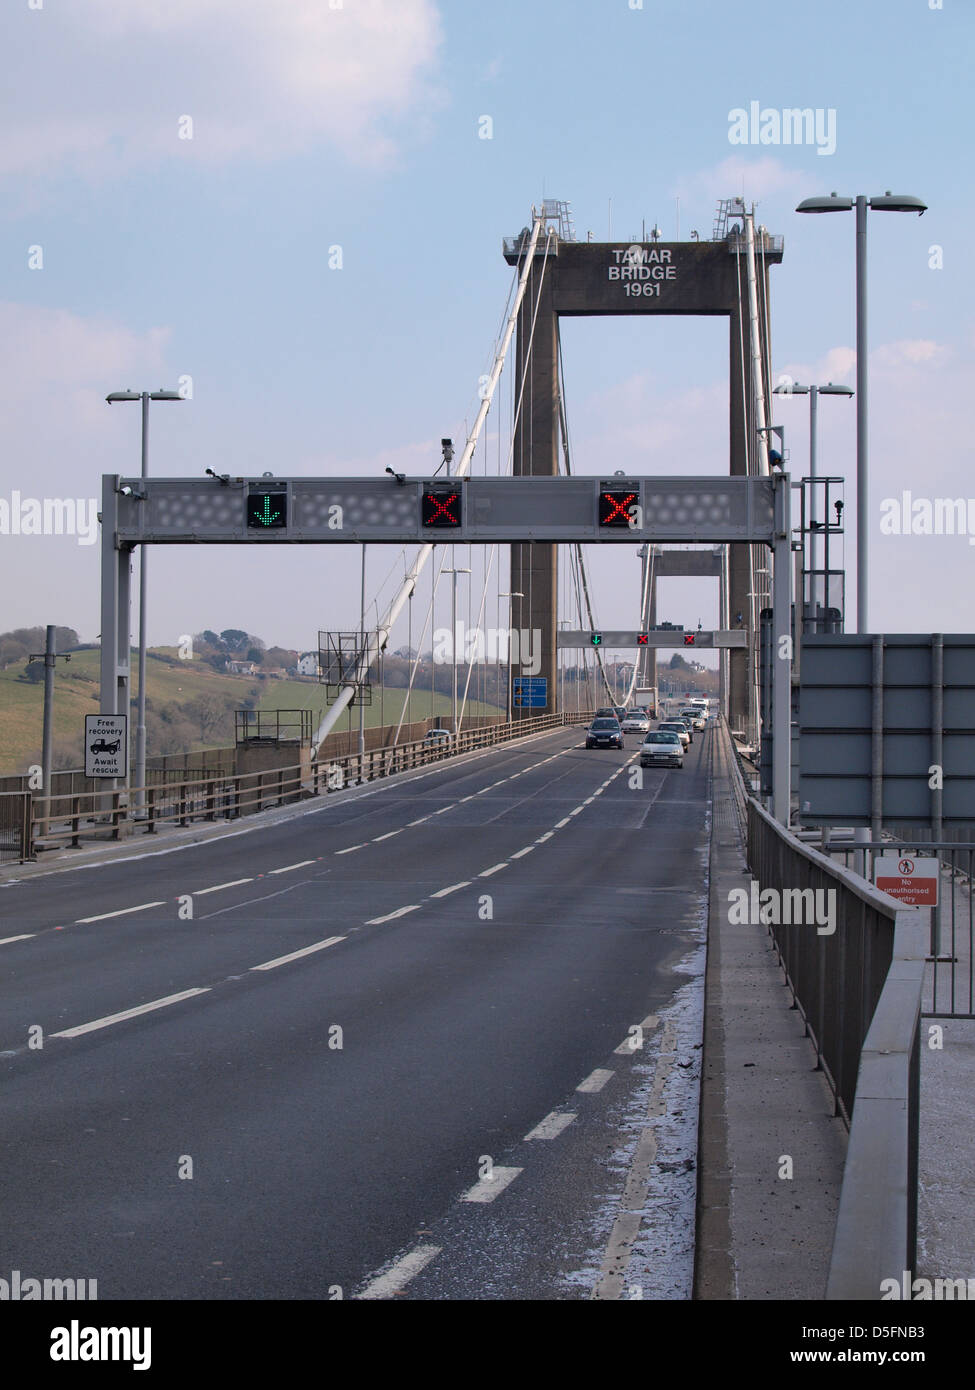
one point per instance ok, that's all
(377, 641)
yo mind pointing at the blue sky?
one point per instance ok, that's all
(358, 126)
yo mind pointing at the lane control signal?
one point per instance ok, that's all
(615, 504)
(441, 507)
(267, 509)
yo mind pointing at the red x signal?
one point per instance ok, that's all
(643, 639)
(688, 639)
(614, 507)
(441, 508)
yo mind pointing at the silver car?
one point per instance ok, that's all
(663, 748)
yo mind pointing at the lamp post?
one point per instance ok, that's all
(515, 593)
(114, 398)
(889, 202)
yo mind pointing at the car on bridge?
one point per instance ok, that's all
(662, 747)
(636, 722)
(604, 733)
(696, 715)
(676, 726)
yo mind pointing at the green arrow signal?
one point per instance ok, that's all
(596, 638)
(267, 517)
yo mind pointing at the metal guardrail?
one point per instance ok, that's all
(859, 993)
(950, 984)
(221, 796)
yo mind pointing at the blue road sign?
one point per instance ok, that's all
(530, 692)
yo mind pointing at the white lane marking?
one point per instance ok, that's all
(454, 887)
(219, 887)
(400, 912)
(495, 870)
(351, 849)
(26, 937)
(127, 1013)
(445, 808)
(388, 836)
(487, 1189)
(576, 812)
(551, 1127)
(522, 852)
(559, 824)
(596, 1080)
(122, 912)
(417, 822)
(547, 836)
(465, 798)
(296, 955)
(589, 800)
(628, 1046)
(302, 864)
(401, 1273)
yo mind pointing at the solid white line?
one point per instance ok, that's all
(400, 912)
(454, 887)
(596, 1080)
(296, 955)
(496, 869)
(487, 1189)
(559, 824)
(401, 1273)
(522, 852)
(288, 867)
(388, 836)
(217, 887)
(351, 849)
(127, 1013)
(122, 912)
(26, 937)
(547, 836)
(551, 1127)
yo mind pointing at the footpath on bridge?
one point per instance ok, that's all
(767, 1112)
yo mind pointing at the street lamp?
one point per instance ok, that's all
(890, 202)
(515, 593)
(114, 398)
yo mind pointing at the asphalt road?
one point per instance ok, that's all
(383, 1111)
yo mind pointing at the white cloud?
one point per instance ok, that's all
(753, 179)
(100, 86)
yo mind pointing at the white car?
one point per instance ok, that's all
(636, 723)
(663, 747)
(696, 715)
(674, 726)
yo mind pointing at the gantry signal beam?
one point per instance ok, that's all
(267, 511)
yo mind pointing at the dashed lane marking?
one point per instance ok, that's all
(109, 1019)
(25, 937)
(302, 864)
(496, 869)
(351, 849)
(219, 887)
(552, 1126)
(390, 916)
(596, 1080)
(522, 852)
(488, 1188)
(454, 888)
(392, 1282)
(296, 955)
(122, 912)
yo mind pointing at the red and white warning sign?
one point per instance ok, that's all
(913, 881)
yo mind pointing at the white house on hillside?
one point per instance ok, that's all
(308, 664)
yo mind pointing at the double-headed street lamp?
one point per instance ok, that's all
(890, 202)
(140, 733)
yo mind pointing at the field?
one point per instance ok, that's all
(170, 682)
